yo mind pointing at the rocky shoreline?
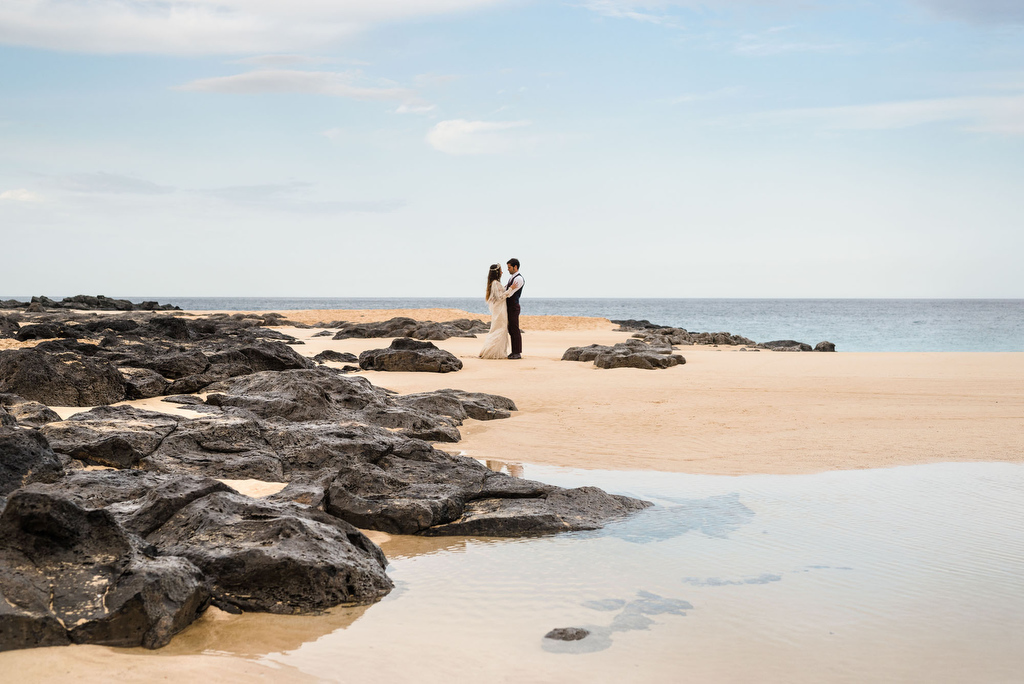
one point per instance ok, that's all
(116, 529)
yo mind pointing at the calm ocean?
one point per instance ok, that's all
(852, 324)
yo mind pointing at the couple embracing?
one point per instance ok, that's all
(503, 302)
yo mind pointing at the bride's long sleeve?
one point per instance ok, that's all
(498, 293)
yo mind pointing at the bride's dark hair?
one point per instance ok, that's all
(492, 275)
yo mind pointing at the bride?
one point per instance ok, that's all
(496, 344)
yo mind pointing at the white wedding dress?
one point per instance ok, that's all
(497, 342)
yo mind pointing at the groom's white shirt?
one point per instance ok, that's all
(517, 282)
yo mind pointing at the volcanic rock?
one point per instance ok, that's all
(8, 326)
(275, 557)
(113, 436)
(60, 379)
(785, 345)
(335, 356)
(406, 354)
(567, 633)
(143, 383)
(407, 327)
(824, 347)
(629, 354)
(71, 574)
(28, 413)
(25, 457)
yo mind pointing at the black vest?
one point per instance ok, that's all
(518, 293)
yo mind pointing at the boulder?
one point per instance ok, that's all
(276, 557)
(326, 394)
(263, 356)
(73, 574)
(407, 327)
(406, 354)
(143, 383)
(785, 345)
(6, 419)
(824, 347)
(568, 633)
(561, 510)
(40, 331)
(176, 365)
(113, 436)
(632, 353)
(28, 413)
(8, 326)
(329, 355)
(25, 457)
(632, 359)
(60, 379)
(227, 444)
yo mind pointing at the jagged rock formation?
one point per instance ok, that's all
(629, 354)
(663, 335)
(130, 555)
(88, 302)
(407, 327)
(406, 354)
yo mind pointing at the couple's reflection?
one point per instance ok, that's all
(513, 469)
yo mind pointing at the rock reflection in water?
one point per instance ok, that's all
(632, 615)
(716, 516)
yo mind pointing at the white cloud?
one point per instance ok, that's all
(276, 61)
(412, 108)
(1000, 114)
(20, 195)
(338, 84)
(202, 26)
(461, 137)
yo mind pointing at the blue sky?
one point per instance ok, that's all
(739, 148)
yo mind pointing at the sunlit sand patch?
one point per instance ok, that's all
(254, 488)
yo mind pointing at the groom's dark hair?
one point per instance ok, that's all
(513, 262)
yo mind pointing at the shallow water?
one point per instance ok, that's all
(898, 575)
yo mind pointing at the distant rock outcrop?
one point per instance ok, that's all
(407, 327)
(629, 354)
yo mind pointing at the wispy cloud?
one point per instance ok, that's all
(278, 61)
(632, 9)
(412, 108)
(1000, 114)
(20, 195)
(107, 183)
(461, 137)
(293, 197)
(203, 26)
(979, 11)
(337, 84)
(718, 94)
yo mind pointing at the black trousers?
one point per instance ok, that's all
(513, 327)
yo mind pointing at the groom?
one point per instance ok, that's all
(515, 289)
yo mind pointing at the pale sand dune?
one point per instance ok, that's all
(730, 412)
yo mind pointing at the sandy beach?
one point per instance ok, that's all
(730, 411)
(726, 411)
